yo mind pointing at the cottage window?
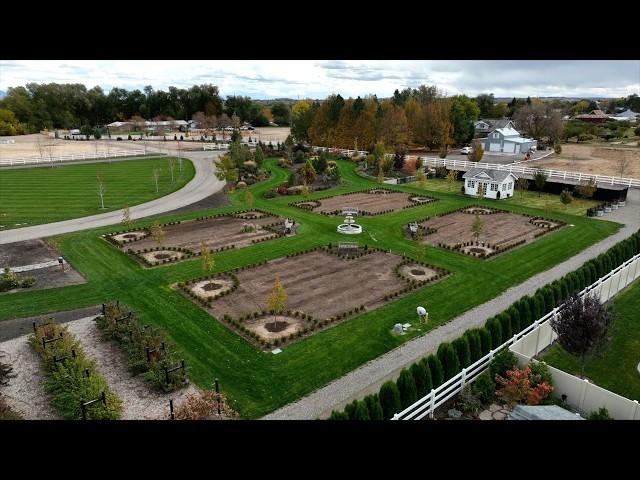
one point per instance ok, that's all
(494, 187)
(495, 135)
(471, 183)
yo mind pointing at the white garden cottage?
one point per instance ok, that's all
(494, 184)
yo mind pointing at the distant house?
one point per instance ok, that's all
(494, 184)
(628, 115)
(594, 116)
(507, 140)
(486, 125)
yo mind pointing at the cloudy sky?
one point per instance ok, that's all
(319, 78)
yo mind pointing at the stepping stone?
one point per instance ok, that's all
(485, 415)
(494, 408)
(499, 415)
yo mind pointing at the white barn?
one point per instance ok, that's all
(494, 184)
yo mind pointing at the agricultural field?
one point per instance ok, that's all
(615, 367)
(255, 380)
(32, 196)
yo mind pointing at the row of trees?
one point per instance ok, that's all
(35, 106)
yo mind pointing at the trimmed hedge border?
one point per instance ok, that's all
(499, 328)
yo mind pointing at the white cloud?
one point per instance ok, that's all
(318, 78)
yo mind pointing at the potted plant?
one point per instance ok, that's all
(607, 207)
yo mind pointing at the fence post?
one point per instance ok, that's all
(637, 410)
(463, 379)
(584, 393)
(634, 409)
(537, 327)
(432, 404)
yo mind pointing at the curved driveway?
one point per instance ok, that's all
(203, 184)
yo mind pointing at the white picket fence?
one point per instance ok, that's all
(605, 287)
(513, 168)
(69, 158)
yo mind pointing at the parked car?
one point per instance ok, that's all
(465, 150)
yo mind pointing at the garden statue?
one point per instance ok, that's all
(397, 328)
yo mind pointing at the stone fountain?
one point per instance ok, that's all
(349, 227)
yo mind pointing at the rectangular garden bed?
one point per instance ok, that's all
(375, 201)
(323, 286)
(501, 230)
(219, 232)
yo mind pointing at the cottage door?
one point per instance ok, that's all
(482, 189)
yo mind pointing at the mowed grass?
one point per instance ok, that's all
(615, 367)
(31, 196)
(545, 201)
(258, 382)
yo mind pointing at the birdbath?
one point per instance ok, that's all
(349, 227)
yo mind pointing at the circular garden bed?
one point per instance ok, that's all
(417, 272)
(212, 287)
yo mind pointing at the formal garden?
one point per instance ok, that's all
(255, 380)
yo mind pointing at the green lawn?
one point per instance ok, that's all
(33, 196)
(616, 366)
(546, 201)
(257, 382)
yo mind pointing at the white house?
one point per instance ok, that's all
(507, 140)
(494, 184)
(485, 125)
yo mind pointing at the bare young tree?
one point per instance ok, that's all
(40, 146)
(157, 233)
(156, 177)
(101, 189)
(522, 185)
(172, 166)
(126, 218)
(48, 147)
(623, 163)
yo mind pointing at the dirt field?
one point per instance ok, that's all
(368, 203)
(594, 159)
(37, 254)
(319, 283)
(216, 232)
(499, 229)
(28, 146)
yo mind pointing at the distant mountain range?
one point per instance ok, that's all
(2, 93)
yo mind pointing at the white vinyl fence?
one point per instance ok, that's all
(69, 158)
(605, 287)
(580, 394)
(513, 168)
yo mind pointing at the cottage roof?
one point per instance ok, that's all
(494, 175)
(542, 412)
(508, 132)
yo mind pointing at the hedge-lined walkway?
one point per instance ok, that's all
(369, 377)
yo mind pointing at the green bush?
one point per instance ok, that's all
(419, 372)
(601, 414)
(389, 399)
(350, 410)
(407, 387)
(514, 316)
(338, 416)
(361, 412)
(484, 387)
(449, 360)
(540, 374)
(494, 326)
(463, 351)
(505, 323)
(485, 341)
(436, 370)
(374, 407)
(503, 361)
(475, 346)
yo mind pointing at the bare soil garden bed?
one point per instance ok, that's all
(501, 230)
(371, 202)
(35, 254)
(323, 286)
(182, 239)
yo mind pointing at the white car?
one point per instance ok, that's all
(465, 150)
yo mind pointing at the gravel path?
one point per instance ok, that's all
(25, 392)
(139, 401)
(203, 184)
(369, 377)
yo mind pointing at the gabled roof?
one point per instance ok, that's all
(507, 132)
(593, 114)
(519, 140)
(498, 122)
(493, 175)
(628, 113)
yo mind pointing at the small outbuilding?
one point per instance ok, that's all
(494, 184)
(507, 141)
